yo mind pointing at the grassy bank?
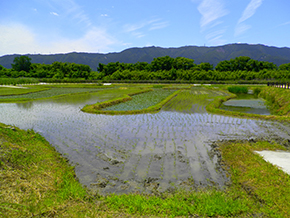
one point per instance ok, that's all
(277, 99)
(259, 180)
(98, 108)
(36, 181)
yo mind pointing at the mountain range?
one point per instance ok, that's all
(199, 54)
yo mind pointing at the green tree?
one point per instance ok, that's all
(285, 67)
(204, 66)
(21, 63)
(162, 63)
(181, 63)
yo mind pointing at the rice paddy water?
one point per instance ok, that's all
(140, 153)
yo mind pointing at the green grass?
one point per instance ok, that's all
(260, 180)
(204, 203)
(123, 95)
(34, 179)
(13, 81)
(278, 100)
(6, 91)
(48, 93)
(141, 101)
(238, 89)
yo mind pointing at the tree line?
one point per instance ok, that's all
(161, 68)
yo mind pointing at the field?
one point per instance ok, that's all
(178, 161)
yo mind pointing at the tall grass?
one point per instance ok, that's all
(14, 81)
(238, 89)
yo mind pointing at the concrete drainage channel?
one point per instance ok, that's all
(281, 159)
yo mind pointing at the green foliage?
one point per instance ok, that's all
(244, 63)
(59, 70)
(277, 99)
(238, 89)
(257, 91)
(285, 67)
(21, 63)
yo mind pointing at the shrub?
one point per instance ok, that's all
(238, 89)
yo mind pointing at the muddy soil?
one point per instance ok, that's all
(148, 153)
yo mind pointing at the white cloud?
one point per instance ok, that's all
(16, 38)
(19, 39)
(284, 24)
(94, 40)
(71, 10)
(215, 37)
(149, 25)
(211, 11)
(215, 34)
(158, 25)
(54, 13)
(250, 10)
(241, 28)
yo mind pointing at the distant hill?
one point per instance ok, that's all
(213, 55)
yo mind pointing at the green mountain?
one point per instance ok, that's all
(212, 55)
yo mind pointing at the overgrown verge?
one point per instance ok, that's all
(266, 93)
(278, 99)
(97, 108)
(36, 181)
(263, 182)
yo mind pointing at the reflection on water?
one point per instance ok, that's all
(248, 104)
(25, 106)
(144, 152)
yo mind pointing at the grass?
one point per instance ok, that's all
(205, 203)
(13, 81)
(278, 100)
(159, 101)
(35, 179)
(45, 93)
(141, 101)
(265, 183)
(238, 89)
(7, 91)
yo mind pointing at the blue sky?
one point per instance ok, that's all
(102, 26)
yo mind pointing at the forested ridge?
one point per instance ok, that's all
(161, 68)
(199, 54)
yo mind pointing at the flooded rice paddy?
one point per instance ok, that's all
(248, 105)
(145, 152)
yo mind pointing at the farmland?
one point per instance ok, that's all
(173, 149)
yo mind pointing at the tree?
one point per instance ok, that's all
(162, 63)
(21, 63)
(285, 67)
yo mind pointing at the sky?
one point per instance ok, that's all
(103, 26)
